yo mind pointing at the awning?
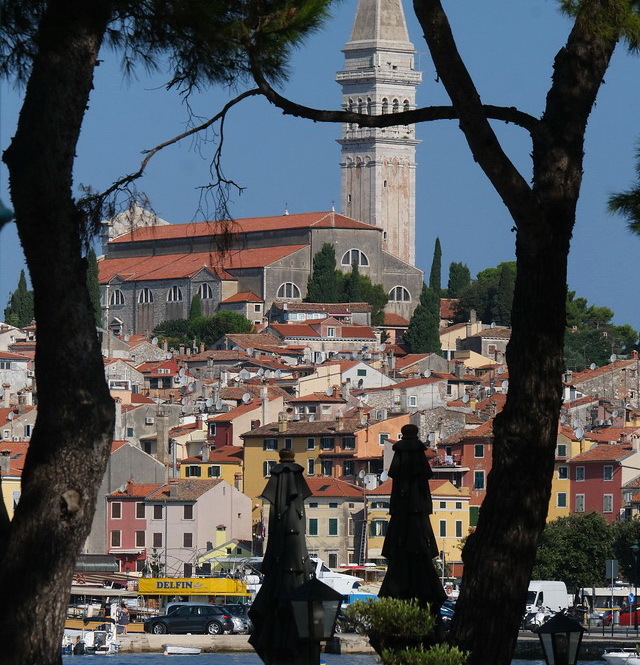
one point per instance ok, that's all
(96, 563)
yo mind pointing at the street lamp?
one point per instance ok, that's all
(560, 638)
(315, 610)
(635, 548)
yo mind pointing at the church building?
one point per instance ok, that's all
(151, 269)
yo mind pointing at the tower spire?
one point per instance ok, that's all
(378, 165)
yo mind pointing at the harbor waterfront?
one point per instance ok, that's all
(356, 646)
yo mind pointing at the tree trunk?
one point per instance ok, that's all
(499, 556)
(71, 439)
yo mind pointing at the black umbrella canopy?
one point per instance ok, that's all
(410, 543)
(286, 565)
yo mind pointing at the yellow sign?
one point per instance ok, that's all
(192, 586)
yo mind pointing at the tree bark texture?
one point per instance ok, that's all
(71, 439)
(499, 556)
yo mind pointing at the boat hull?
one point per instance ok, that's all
(622, 657)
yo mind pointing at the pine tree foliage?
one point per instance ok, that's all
(504, 297)
(19, 309)
(352, 284)
(435, 276)
(423, 333)
(195, 311)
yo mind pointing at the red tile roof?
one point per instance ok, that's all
(393, 319)
(604, 452)
(447, 307)
(246, 225)
(333, 487)
(243, 296)
(177, 266)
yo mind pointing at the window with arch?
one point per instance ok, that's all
(385, 105)
(205, 292)
(399, 294)
(396, 106)
(350, 104)
(116, 298)
(369, 106)
(288, 290)
(360, 105)
(145, 296)
(174, 294)
(405, 105)
(354, 256)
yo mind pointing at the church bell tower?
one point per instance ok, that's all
(378, 166)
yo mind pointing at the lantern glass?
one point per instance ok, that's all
(560, 638)
(315, 610)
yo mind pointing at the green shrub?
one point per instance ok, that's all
(392, 616)
(440, 654)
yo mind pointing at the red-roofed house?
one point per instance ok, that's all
(12, 457)
(598, 476)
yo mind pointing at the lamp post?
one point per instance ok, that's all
(315, 610)
(560, 638)
(635, 548)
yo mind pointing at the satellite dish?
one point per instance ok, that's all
(260, 372)
(219, 405)
(183, 390)
(10, 415)
(427, 373)
(246, 398)
(127, 338)
(361, 474)
(493, 324)
(154, 341)
(249, 352)
(592, 366)
(563, 419)
(209, 402)
(267, 374)
(575, 424)
(431, 437)
(354, 355)
(183, 401)
(181, 371)
(505, 384)
(465, 398)
(579, 432)
(278, 373)
(329, 391)
(244, 374)
(614, 413)
(613, 357)
(363, 421)
(383, 476)
(500, 370)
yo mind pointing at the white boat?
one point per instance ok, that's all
(622, 656)
(100, 641)
(179, 650)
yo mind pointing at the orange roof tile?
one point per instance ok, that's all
(333, 487)
(604, 452)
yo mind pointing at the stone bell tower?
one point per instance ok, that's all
(378, 166)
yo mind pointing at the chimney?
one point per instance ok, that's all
(201, 347)
(221, 535)
(205, 452)
(634, 355)
(237, 481)
(200, 422)
(5, 461)
(282, 422)
(265, 404)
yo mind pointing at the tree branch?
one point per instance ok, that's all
(507, 114)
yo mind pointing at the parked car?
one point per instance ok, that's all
(191, 618)
(629, 615)
(239, 615)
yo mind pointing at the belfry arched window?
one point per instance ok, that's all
(288, 290)
(352, 256)
(399, 294)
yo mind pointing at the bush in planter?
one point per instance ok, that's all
(402, 632)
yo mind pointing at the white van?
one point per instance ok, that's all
(547, 593)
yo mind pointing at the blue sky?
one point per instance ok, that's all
(292, 163)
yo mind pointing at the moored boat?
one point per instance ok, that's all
(622, 656)
(180, 650)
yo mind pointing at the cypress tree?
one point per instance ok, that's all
(459, 279)
(323, 284)
(423, 333)
(353, 285)
(504, 296)
(435, 277)
(195, 311)
(93, 286)
(19, 309)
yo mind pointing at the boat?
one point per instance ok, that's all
(180, 650)
(622, 656)
(102, 640)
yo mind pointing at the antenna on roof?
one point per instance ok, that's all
(286, 212)
(592, 366)
(246, 398)
(154, 341)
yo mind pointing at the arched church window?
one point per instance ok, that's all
(288, 290)
(350, 104)
(406, 105)
(205, 292)
(399, 294)
(396, 106)
(117, 298)
(385, 105)
(354, 256)
(174, 294)
(369, 106)
(145, 296)
(360, 105)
